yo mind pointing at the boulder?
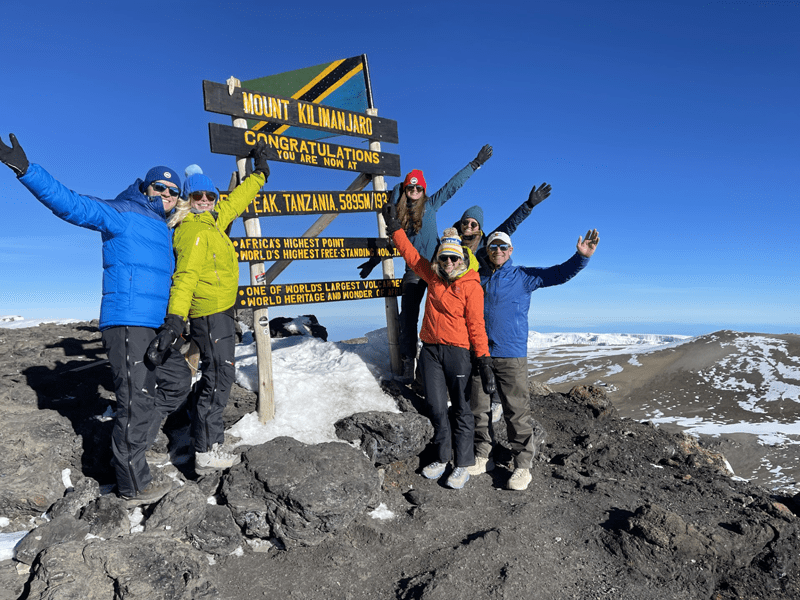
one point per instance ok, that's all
(179, 510)
(386, 437)
(85, 491)
(299, 493)
(107, 517)
(217, 533)
(64, 528)
(130, 568)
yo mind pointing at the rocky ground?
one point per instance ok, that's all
(616, 509)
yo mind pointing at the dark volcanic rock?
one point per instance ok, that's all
(84, 491)
(386, 437)
(179, 510)
(299, 493)
(134, 567)
(616, 508)
(280, 327)
(217, 533)
(107, 517)
(62, 529)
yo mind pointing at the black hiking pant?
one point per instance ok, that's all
(134, 385)
(173, 384)
(445, 374)
(215, 336)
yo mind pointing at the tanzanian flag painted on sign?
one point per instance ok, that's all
(340, 84)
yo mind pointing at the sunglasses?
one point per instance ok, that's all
(449, 258)
(160, 187)
(415, 188)
(499, 247)
(469, 225)
(197, 196)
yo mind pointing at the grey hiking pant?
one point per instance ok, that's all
(511, 376)
(215, 336)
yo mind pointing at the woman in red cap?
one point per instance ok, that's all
(416, 212)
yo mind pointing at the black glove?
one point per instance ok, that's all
(14, 157)
(487, 375)
(389, 212)
(167, 337)
(536, 196)
(484, 155)
(366, 268)
(259, 155)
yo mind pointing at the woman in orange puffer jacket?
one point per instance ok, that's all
(452, 325)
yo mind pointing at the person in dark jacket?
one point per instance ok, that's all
(470, 225)
(416, 212)
(137, 271)
(507, 297)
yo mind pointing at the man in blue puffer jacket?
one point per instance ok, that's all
(137, 273)
(507, 297)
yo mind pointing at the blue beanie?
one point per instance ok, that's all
(160, 174)
(474, 212)
(196, 181)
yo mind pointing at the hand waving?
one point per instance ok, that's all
(586, 247)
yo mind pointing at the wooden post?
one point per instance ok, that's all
(252, 227)
(392, 320)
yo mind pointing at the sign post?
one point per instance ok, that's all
(252, 227)
(390, 303)
(303, 115)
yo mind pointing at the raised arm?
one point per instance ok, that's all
(240, 198)
(449, 189)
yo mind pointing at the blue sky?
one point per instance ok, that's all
(671, 127)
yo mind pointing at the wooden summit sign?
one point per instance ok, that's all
(275, 204)
(283, 294)
(253, 249)
(282, 148)
(251, 104)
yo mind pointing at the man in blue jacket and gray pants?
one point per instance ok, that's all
(507, 297)
(137, 274)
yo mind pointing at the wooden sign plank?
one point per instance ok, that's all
(276, 204)
(285, 294)
(250, 104)
(238, 142)
(254, 249)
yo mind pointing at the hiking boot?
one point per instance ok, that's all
(497, 411)
(215, 459)
(151, 494)
(433, 470)
(155, 458)
(483, 464)
(458, 478)
(520, 479)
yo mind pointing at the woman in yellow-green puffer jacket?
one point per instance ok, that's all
(204, 289)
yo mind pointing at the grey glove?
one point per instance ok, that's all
(14, 157)
(487, 375)
(166, 338)
(389, 212)
(484, 155)
(537, 196)
(259, 155)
